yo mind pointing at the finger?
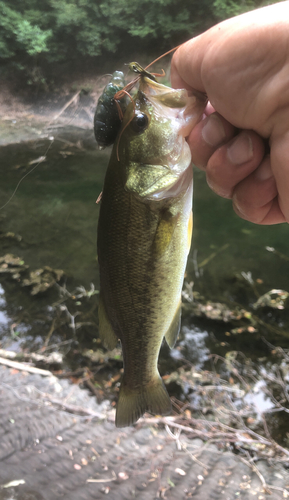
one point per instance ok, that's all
(280, 168)
(187, 56)
(207, 136)
(255, 198)
(233, 162)
(269, 214)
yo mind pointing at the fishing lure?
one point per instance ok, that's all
(107, 117)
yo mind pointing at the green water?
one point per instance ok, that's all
(217, 225)
(54, 211)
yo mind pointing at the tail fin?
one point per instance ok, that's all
(133, 403)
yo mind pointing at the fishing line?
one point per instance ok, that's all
(52, 139)
(27, 173)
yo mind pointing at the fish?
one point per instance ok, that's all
(144, 237)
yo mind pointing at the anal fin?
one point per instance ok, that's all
(106, 332)
(174, 329)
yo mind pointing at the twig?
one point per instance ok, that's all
(74, 98)
(213, 255)
(52, 358)
(76, 410)
(46, 398)
(278, 488)
(26, 368)
(276, 348)
(51, 330)
(69, 143)
(182, 446)
(225, 388)
(233, 369)
(174, 436)
(267, 430)
(91, 387)
(64, 342)
(103, 480)
(256, 470)
(232, 435)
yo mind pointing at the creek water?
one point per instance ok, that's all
(53, 217)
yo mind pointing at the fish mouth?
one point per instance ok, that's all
(171, 98)
(177, 102)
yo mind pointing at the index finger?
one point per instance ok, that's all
(186, 65)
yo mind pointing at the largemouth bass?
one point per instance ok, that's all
(144, 236)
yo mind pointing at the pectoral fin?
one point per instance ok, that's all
(106, 332)
(174, 329)
(163, 235)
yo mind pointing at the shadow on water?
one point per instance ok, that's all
(52, 221)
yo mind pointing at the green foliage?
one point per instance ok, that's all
(224, 9)
(32, 38)
(38, 34)
(18, 35)
(151, 18)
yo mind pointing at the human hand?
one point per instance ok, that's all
(242, 65)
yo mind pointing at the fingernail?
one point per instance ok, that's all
(213, 131)
(241, 150)
(237, 207)
(264, 172)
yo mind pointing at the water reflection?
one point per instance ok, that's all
(258, 398)
(192, 347)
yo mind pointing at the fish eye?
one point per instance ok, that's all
(139, 122)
